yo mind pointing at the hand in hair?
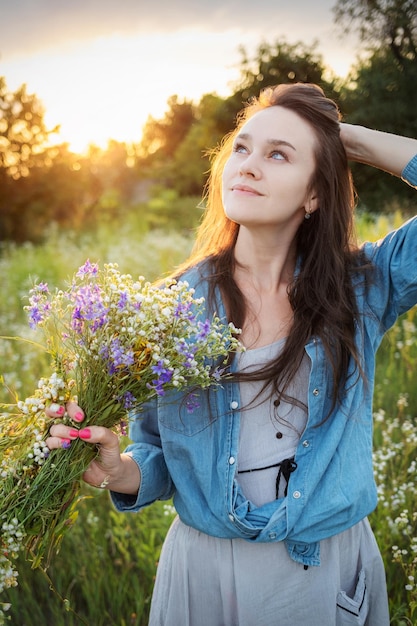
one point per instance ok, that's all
(384, 151)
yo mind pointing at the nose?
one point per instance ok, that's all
(250, 166)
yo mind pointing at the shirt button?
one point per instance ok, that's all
(234, 404)
(296, 495)
(232, 460)
(272, 535)
(306, 443)
(316, 392)
(232, 519)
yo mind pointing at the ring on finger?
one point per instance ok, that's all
(104, 483)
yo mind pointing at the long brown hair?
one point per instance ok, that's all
(321, 294)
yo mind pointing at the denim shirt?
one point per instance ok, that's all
(193, 457)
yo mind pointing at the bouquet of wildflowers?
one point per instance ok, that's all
(115, 342)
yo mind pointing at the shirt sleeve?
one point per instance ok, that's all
(398, 251)
(409, 173)
(146, 451)
(394, 288)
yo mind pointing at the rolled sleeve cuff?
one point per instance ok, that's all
(409, 173)
(155, 483)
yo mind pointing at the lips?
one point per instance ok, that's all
(246, 189)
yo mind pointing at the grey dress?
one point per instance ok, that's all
(206, 581)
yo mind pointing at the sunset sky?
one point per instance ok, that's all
(100, 67)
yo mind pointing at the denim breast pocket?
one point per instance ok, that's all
(353, 611)
(188, 414)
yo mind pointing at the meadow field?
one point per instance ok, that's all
(104, 572)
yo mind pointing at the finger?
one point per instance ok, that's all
(60, 436)
(93, 434)
(75, 412)
(98, 434)
(63, 431)
(58, 442)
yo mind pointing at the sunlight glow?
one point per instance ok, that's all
(106, 88)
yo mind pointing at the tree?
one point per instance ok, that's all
(64, 192)
(188, 169)
(43, 184)
(162, 137)
(386, 23)
(23, 134)
(280, 62)
(381, 95)
(380, 91)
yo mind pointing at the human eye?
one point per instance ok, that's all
(278, 155)
(240, 147)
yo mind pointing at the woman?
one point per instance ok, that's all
(272, 475)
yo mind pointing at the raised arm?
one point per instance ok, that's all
(384, 151)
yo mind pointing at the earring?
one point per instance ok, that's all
(307, 215)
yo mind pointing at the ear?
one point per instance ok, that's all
(312, 203)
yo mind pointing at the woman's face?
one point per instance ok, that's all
(266, 178)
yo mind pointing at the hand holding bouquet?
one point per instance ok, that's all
(115, 342)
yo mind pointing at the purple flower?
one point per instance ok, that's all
(217, 373)
(128, 401)
(203, 330)
(104, 352)
(88, 307)
(118, 356)
(122, 300)
(162, 372)
(164, 376)
(39, 306)
(183, 310)
(35, 316)
(186, 351)
(88, 269)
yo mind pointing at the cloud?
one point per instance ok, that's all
(31, 26)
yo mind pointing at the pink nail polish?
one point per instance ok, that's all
(73, 433)
(60, 411)
(66, 443)
(84, 433)
(79, 417)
